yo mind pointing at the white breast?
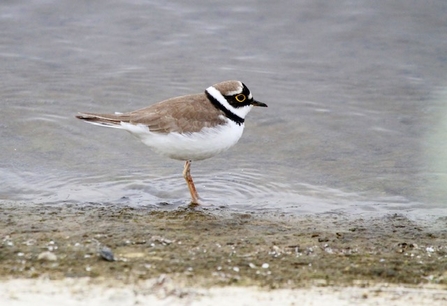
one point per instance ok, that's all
(189, 146)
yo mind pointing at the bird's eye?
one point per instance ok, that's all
(240, 98)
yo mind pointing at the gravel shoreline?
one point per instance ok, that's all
(215, 255)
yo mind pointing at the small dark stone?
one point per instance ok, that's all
(106, 254)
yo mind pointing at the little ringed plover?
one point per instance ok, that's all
(192, 127)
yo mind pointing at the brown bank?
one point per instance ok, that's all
(214, 247)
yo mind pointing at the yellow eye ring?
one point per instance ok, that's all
(240, 98)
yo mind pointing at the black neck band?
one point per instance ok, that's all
(227, 112)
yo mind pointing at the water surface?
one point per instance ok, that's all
(356, 94)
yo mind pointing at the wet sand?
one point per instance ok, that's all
(205, 254)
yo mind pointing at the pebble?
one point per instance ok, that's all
(106, 254)
(47, 256)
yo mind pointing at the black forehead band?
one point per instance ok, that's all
(245, 90)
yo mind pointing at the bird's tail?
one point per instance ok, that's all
(107, 120)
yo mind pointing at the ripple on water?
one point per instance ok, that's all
(245, 190)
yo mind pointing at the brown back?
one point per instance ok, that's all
(186, 114)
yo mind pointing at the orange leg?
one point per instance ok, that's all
(190, 183)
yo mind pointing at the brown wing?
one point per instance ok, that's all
(184, 114)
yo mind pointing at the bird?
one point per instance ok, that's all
(187, 128)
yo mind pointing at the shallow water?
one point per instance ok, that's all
(356, 93)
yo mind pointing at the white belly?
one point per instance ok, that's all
(190, 146)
